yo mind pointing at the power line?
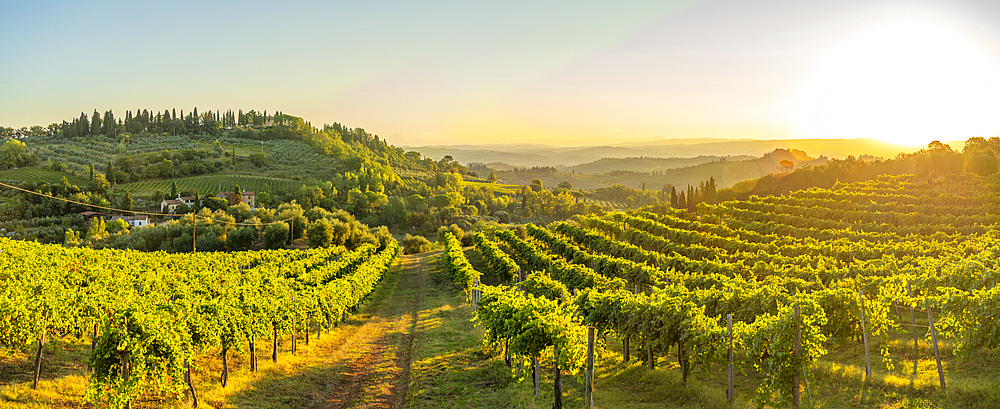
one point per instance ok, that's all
(138, 212)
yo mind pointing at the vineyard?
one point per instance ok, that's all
(39, 175)
(147, 316)
(215, 183)
(766, 286)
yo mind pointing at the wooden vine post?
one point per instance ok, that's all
(913, 322)
(557, 382)
(536, 373)
(38, 361)
(797, 348)
(588, 399)
(864, 336)
(937, 355)
(124, 362)
(729, 331)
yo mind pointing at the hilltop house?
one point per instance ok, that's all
(248, 197)
(170, 205)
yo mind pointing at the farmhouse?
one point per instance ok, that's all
(133, 221)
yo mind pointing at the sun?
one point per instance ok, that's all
(905, 83)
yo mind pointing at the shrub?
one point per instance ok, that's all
(415, 244)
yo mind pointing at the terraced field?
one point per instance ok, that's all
(39, 175)
(215, 183)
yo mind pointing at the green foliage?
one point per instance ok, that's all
(241, 239)
(275, 236)
(415, 244)
(320, 233)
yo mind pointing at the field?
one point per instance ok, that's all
(868, 264)
(40, 175)
(286, 159)
(215, 183)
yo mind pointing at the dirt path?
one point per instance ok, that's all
(377, 374)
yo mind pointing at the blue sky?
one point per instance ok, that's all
(450, 72)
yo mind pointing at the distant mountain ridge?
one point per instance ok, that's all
(566, 157)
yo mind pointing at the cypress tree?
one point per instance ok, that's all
(127, 200)
(173, 189)
(82, 125)
(109, 123)
(110, 171)
(95, 123)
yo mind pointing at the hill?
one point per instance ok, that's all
(725, 171)
(563, 157)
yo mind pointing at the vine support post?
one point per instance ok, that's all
(798, 354)
(864, 337)
(588, 399)
(937, 355)
(536, 373)
(650, 360)
(93, 346)
(625, 350)
(913, 321)
(557, 382)
(38, 361)
(295, 331)
(308, 323)
(729, 334)
(683, 361)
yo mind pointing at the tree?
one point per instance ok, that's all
(215, 203)
(258, 159)
(165, 168)
(492, 178)
(95, 124)
(109, 124)
(97, 229)
(110, 172)
(275, 235)
(536, 185)
(91, 172)
(565, 185)
(12, 154)
(71, 238)
(101, 184)
(127, 201)
(173, 189)
(320, 233)
(241, 240)
(786, 165)
(117, 225)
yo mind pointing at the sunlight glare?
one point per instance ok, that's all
(907, 83)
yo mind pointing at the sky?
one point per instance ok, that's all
(559, 73)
